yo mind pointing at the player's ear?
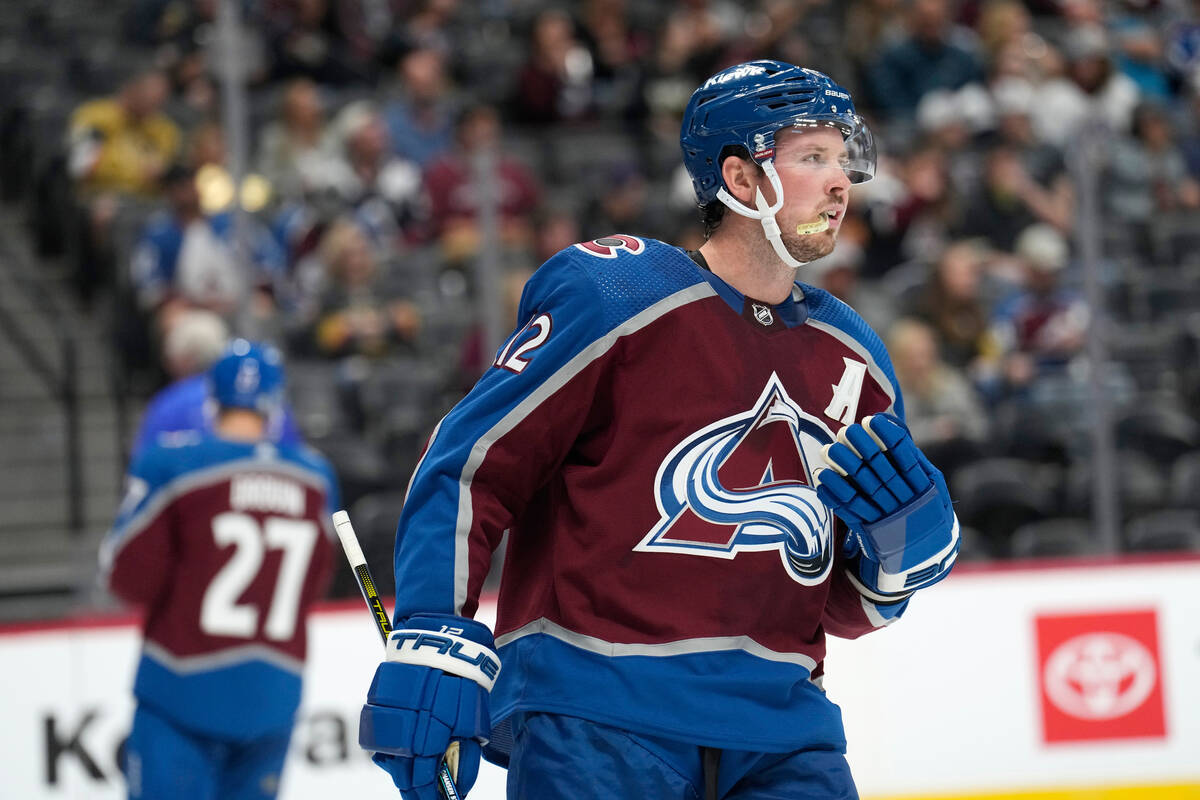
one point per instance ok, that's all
(741, 178)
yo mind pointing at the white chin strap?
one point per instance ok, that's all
(764, 213)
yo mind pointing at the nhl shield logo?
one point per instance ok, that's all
(763, 314)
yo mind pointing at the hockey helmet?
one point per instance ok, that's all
(748, 103)
(248, 375)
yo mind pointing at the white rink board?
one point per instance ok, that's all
(78, 680)
(945, 701)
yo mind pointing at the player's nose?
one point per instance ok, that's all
(837, 182)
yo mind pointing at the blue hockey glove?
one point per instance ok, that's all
(895, 503)
(429, 693)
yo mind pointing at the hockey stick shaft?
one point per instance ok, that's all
(362, 574)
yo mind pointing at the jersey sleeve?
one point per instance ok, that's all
(848, 614)
(500, 444)
(137, 555)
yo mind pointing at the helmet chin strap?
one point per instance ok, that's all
(764, 213)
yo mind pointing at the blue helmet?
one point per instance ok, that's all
(248, 375)
(746, 104)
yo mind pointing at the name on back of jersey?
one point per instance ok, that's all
(264, 492)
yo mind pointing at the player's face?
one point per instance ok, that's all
(810, 163)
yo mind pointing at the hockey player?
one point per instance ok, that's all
(704, 469)
(224, 540)
(196, 338)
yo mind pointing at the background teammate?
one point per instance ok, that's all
(223, 539)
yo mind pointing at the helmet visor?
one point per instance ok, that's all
(856, 157)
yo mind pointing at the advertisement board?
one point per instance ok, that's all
(1012, 682)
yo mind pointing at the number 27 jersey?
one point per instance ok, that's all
(227, 545)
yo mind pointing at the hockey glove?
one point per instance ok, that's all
(896, 505)
(429, 693)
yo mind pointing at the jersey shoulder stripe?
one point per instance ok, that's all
(582, 304)
(625, 278)
(166, 473)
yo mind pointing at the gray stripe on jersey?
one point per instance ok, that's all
(523, 409)
(116, 540)
(186, 665)
(867, 358)
(678, 648)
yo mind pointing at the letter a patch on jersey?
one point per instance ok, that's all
(744, 483)
(844, 405)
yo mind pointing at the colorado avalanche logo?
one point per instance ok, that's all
(743, 484)
(608, 246)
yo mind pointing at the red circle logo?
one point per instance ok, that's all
(1099, 676)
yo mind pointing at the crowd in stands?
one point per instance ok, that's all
(376, 123)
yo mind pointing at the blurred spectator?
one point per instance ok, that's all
(1001, 24)
(668, 79)
(205, 146)
(312, 39)
(453, 188)
(952, 120)
(1090, 88)
(623, 206)
(1147, 174)
(383, 190)
(934, 55)
(1189, 130)
(1009, 200)
(555, 83)
(839, 273)
(1182, 50)
(194, 92)
(156, 22)
(908, 208)
(616, 50)
(420, 116)
(430, 24)
(952, 303)
(1043, 325)
(714, 24)
(873, 27)
(1053, 198)
(294, 151)
(942, 409)
(184, 256)
(118, 148)
(124, 143)
(194, 339)
(1139, 55)
(556, 229)
(357, 311)
(1031, 59)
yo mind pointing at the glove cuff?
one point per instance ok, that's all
(917, 532)
(452, 644)
(875, 581)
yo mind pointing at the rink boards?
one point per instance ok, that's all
(1051, 682)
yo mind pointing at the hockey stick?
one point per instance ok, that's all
(358, 562)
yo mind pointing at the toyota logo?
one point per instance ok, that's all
(1099, 675)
